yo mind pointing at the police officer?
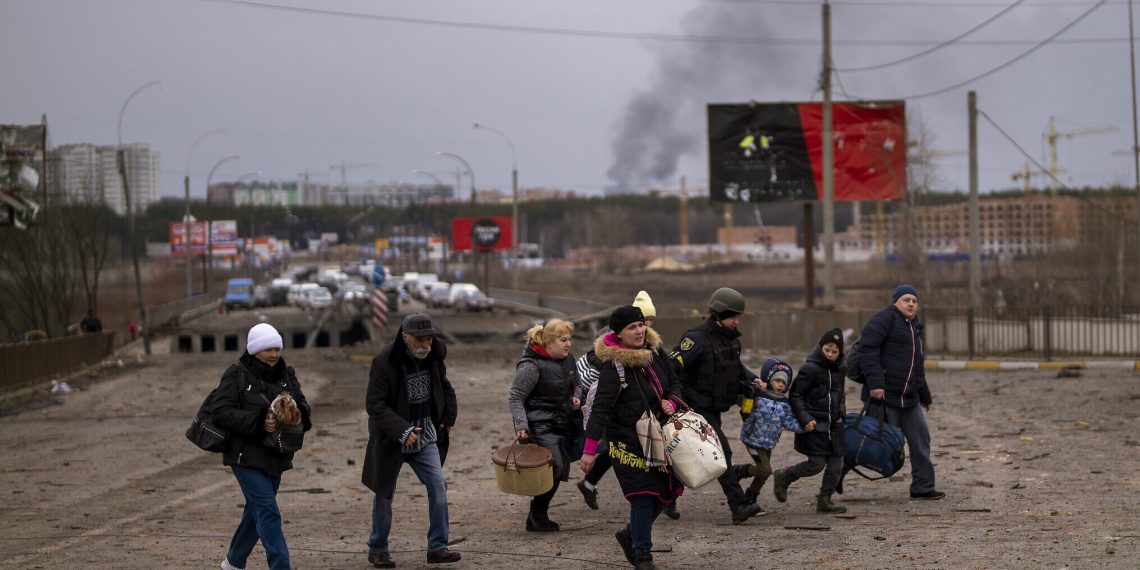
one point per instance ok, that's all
(713, 377)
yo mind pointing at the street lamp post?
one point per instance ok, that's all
(208, 261)
(514, 204)
(121, 159)
(465, 165)
(186, 217)
(486, 263)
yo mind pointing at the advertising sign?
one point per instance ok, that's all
(224, 237)
(768, 152)
(21, 172)
(488, 233)
(178, 239)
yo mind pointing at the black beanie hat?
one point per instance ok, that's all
(623, 316)
(833, 336)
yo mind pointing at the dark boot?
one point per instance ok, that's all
(743, 471)
(671, 510)
(780, 483)
(590, 495)
(626, 542)
(745, 511)
(644, 563)
(823, 504)
(538, 522)
(750, 495)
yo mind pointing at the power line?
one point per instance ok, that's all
(648, 36)
(933, 49)
(1110, 211)
(1010, 62)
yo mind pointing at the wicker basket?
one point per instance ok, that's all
(523, 469)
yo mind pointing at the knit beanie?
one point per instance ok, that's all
(903, 290)
(643, 302)
(834, 336)
(776, 368)
(623, 316)
(261, 337)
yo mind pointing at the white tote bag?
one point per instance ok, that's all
(693, 449)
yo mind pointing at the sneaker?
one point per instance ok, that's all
(590, 495)
(442, 556)
(928, 496)
(780, 483)
(745, 511)
(671, 510)
(626, 542)
(227, 566)
(382, 560)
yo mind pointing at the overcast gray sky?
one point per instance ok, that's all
(591, 92)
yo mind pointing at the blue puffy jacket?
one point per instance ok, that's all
(891, 356)
(769, 416)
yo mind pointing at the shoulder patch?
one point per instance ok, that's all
(686, 343)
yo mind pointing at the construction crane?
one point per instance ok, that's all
(1051, 137)
(1026, 175)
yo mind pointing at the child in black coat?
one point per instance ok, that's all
(818, 403)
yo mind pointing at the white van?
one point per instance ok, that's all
(458, 291)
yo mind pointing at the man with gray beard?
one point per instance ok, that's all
(411, 407)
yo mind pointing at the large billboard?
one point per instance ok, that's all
(223, 237)
(178, 239)
(482, 234)
(764, 152)
(21, 172)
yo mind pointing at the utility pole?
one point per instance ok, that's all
(134, 248)
(1135, 136)
(828, 170)
(684, 213)
(975, 233)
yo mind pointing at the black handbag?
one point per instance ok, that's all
(202, 431)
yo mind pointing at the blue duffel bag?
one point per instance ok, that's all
(872, 443)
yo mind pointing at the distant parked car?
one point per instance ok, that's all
(318, 298)
(458, 291)
(439, 296)
(261, 296)
(477, 301)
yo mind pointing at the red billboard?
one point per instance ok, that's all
(487, 233)
(766, 152)
(178, 239)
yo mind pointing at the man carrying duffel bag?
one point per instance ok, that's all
(892, 362)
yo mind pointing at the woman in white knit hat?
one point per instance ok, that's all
(241, 407)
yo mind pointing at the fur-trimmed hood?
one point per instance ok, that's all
(628, 357)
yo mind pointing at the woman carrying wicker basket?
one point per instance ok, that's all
(632, 381)
(542, 402)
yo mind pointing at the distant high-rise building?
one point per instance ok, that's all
(76, 172)
(142, 172)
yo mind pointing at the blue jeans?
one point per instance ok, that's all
(426, 466)
(261, 519)
(912, 422)
(643, 511)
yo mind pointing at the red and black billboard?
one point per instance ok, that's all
(764, 152)
(486, 233)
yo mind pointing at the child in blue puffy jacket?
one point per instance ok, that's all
(771, 413)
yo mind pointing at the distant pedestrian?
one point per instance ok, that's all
(90, 323)
(133, 329)
(818, 402)
(242, 408)
(892, 356)
(411, 408)
(542, 401)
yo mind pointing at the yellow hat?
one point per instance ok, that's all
(643, 302)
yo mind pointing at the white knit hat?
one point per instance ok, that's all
(261, 337)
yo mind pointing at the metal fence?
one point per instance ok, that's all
(1044, 332)
(159, 316)
(26, 362)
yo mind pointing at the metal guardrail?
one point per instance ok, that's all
(544, 305)
(27, 362)
(171, 313)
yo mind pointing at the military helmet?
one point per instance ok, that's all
(726, 300)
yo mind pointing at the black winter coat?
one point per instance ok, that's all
(616, 410)
(892, 357)
(817, 394)
(545, 408)
(387, 406)
(240, 407)
(707, 360)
